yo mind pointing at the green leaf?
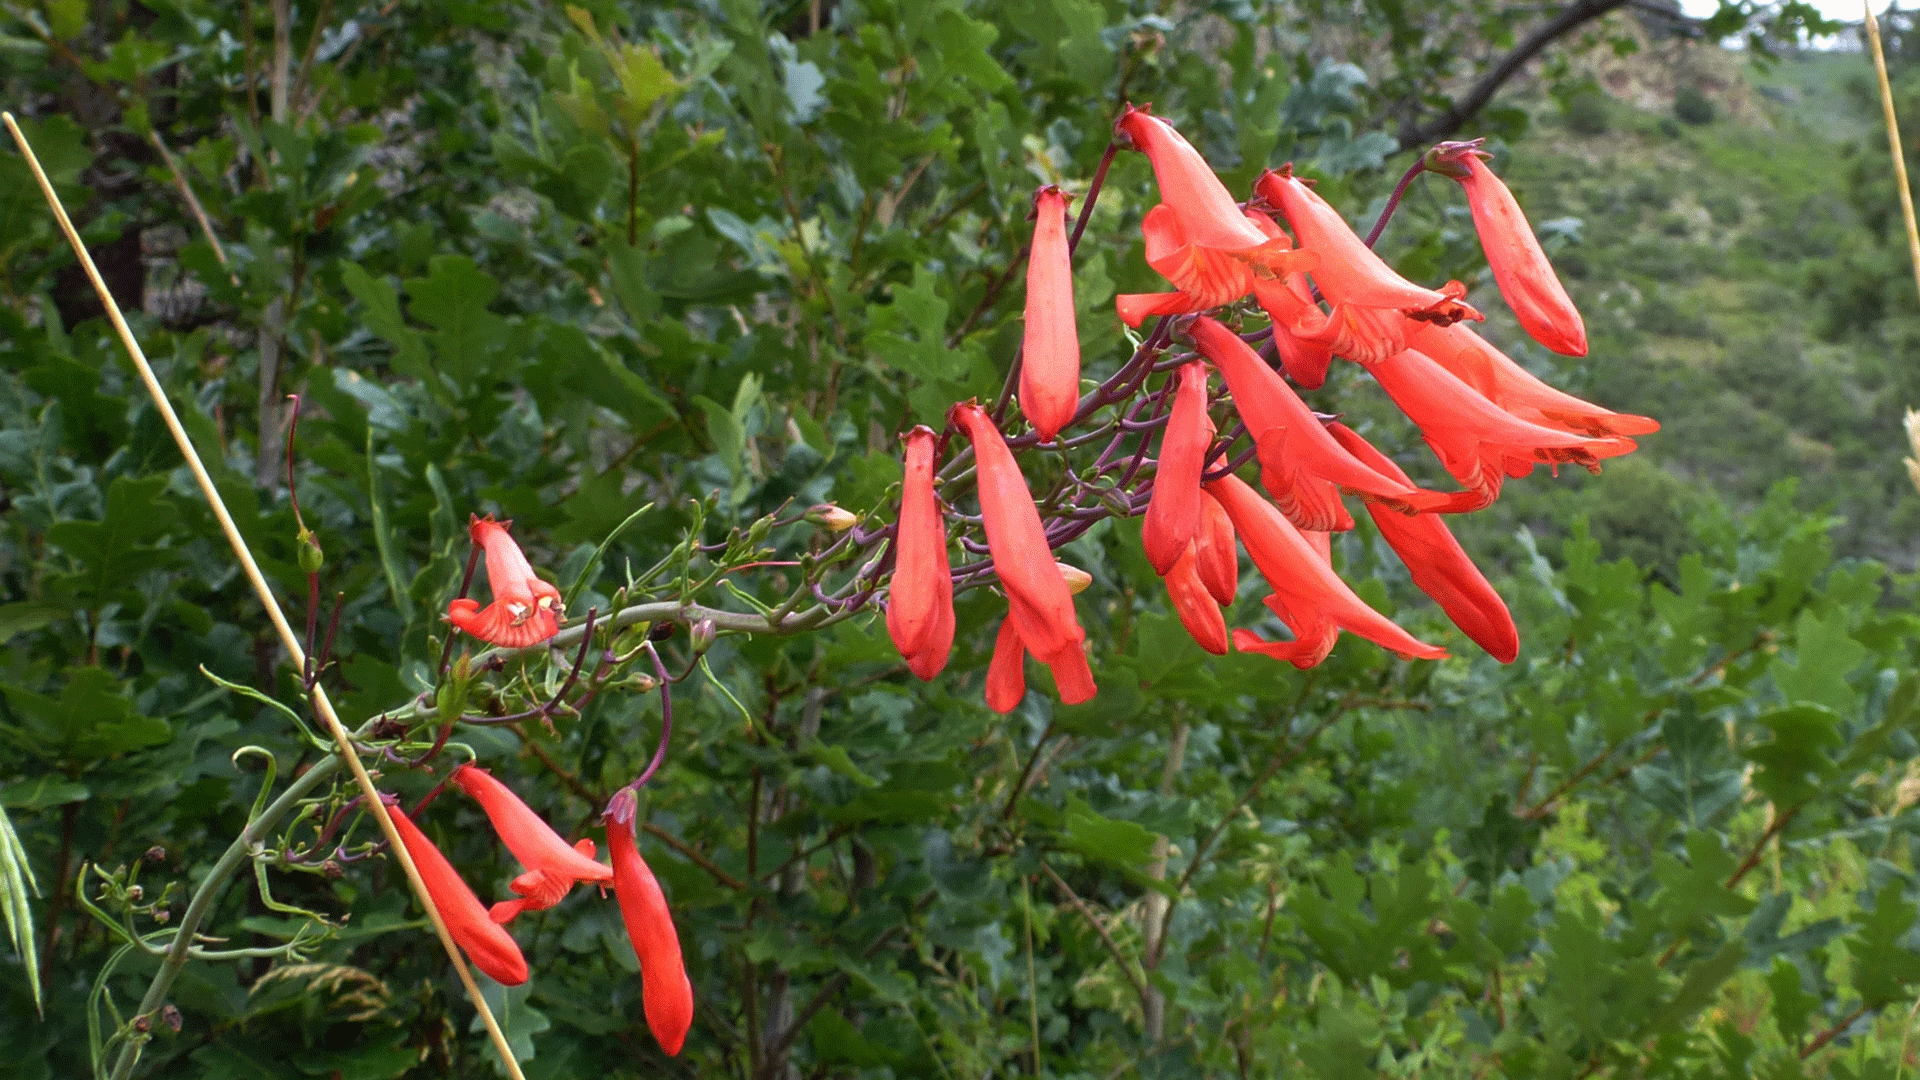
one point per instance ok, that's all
(835, 758)
(40, 792)
(453, 299)
(90, 719)
(1794, 765)
(27, 616)
(1121, 843)
(1824, 654)
(1882, 965)
(381, 312)
(115, 550)
(910, 333)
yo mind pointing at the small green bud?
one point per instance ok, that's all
(832, 518)
(311, 557)
(701, 634)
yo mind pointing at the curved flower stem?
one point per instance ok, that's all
(666, 720)
(466, 582)
(209, 892)
(1393, 200)
(1093, 194)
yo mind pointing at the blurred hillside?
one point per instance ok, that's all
(1731, 234)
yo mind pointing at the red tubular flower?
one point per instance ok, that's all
(525, 610)
(1520, 268)
(1050, 355)
(1007, 673)
(1307, 595)
(1196, 607)
(1300, 464)
(1207, 278)
(1018, 543)
(552, 866)
(1353, 279)
(665, 993)
(1298, 328)
(920, 599)
(1173, 511)
(1007, 676)
(1216, 554)
(1478, 442)
(485, 942)
(1440, 567)
(1208, 215)
(1477, 363)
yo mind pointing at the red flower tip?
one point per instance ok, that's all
(666, 994)
(1050, 352)
(1349, 274)
(1308, 596)
(1474, 361)
(920, 597)
(485, 942)
(525, 609)
(1300, 464)
(1520, 268)
(1017, 540)
(1197, 610)
(1479, 443)
(552, 866)
(1007, 677)
(1215, 552)
(1438, 564)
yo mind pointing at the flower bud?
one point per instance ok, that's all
(622, 807)
(832, 518)
(701, 634)
(170, 1016)
(311, 557)
(1077, 579)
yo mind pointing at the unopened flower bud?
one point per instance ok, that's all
(1077, 579)
(162, 916)
(1117, 502)
(333, 870)
(135, 892)
(156, 854)
(311, 557)
(170, 1016)
(701, 634)
(832, 518)
(143, 1023)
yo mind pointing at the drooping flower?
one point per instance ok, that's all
(1007, 676)
(1520, 268)
(1007, 672)
(920, 600)
(1216, 554)
(1300, 464)
(1438, 564)
(1208, 216)
(525, 609)
(1195, 606)
(1479, 443)
(666, 994)
(1018, 543)
(552, 867)
(1500, 380)
(1307, 595)
(1349, 271)
(1206, 278)
(1173, 511)
(1050, 353)
(485, 942)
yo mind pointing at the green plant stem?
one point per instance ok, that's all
(209, 892)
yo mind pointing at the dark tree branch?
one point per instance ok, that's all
(1416, 134)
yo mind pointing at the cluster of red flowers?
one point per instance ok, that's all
(1325, 294)
(526, 611)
